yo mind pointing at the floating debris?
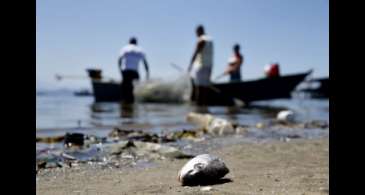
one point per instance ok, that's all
(285, 116)
(202, 169)
(211, 124)
(316, 124)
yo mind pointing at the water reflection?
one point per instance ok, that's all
(127, 110)
(157, 115)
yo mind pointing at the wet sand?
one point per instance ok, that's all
(296, 167)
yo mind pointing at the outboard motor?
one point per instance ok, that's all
(94, 74)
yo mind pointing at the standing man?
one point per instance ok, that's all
(234, 64)
(201, 64)
(130, 57)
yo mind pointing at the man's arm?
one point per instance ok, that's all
(234, 66)
(147, 68)
(199, 48)
(120, 62)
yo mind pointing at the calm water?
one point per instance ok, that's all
(57, 113)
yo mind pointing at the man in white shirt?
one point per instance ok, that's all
(201, 66)
(130, 57)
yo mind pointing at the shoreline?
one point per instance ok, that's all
(296, 167)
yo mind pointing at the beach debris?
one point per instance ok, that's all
(285, 116)
(118, 133)
(211, 124)
(221, 126)
(241, 130)
(164, 150)
(316, 124)
(202, 169)
(138, 148)
(50, 140)
(92, 139)
(49, 159)
(137, 135)
(260, 125)
(74, 139)
(84, 154)
(206, 189)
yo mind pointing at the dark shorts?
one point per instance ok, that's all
(235, 76)
(130, 75)
(127, 85)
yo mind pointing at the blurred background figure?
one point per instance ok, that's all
(202, 60)
(234, 65)
(201, 63)
(272, 70)
(130, 57)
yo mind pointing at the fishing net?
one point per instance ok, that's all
(158, 90)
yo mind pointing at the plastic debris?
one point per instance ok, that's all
(211, 124)
(285, 116)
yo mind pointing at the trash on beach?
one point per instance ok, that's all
(221, 127)
(206, 189)
(211, 124)
(241, 130)
(185, 134)
(118, 133)
(166, 151)
(84, 154)
(316, 124)
(260, 125)
(74, 139)
(50, 140)
(136, 135)
(138, 148)
(285, 116)
(49, 159)
(202, 169)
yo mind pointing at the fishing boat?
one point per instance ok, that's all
(317, 88)
(216, 94)
(82, 92)
(104, 91)
(248, 91)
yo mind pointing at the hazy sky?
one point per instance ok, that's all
(75, 35)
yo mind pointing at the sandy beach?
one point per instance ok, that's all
(299, 166)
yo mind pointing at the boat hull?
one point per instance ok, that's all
(322, 91)
(106, 91)
(248, 91)
(218, 94)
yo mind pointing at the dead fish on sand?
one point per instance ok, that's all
(202, 169)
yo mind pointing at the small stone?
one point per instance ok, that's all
(205, 189)
(259, 125)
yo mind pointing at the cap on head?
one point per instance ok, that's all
(236, 47)
(133, 40)
(200, 30)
